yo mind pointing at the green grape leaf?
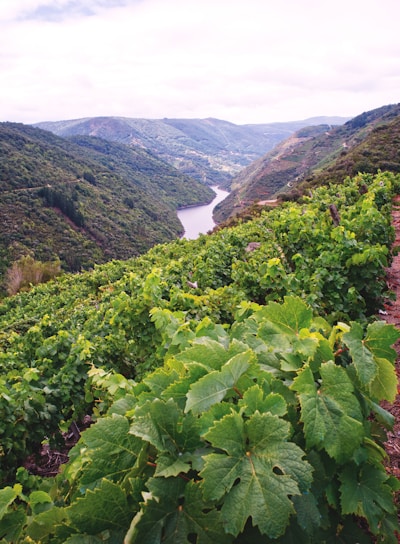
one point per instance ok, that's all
(85, 539)
(174, 512)
(213, 387)
(179, 389)
(207, 352)
(160, 379)
(111, 436)
(389, 527)
(291, 362)
(308, 514)
(45, 523)
(254, 399)
(111, 451)
(215, 413)
(382, 415)
(273, 336)
(257, 473)
(306, 343)
(11, 525)
(380, 338)
(365, 493)
(290, 317)
(104, 508)
(7, 496)
(331, 413)
(163, 424)
(168, 465)
(363, 359)
(384, 386)
(323, 354)
(39, 501)
(123, 405)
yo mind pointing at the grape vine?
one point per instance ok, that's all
(236, 392)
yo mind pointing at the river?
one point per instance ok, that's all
(198, 219)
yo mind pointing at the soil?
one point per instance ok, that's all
(392, 316)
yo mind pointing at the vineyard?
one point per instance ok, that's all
(234, 383)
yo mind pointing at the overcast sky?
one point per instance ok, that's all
(244, 61)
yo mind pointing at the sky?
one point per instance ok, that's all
(243, 61)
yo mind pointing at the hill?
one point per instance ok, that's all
(210, 150)
(315, 150)
(86, 200)
(379, 151)
(244, 405)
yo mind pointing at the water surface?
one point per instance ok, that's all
(198, 219)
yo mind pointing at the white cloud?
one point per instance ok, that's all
(240, 60)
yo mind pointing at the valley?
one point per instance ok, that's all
(85, 201)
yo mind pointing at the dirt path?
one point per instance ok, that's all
(393, 317)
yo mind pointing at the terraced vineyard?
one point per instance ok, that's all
(235, 383)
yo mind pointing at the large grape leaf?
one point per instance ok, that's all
(290, 317)
(173, 434)
(331, 413)
(104, 508)
(45, 524)
(307, 512)
(254, 399)
(175, 513)
(208, 352)
(365, 493)
(178, 390)
(363, 359)
(168, 465)
(11, 525)
(7, 496)
(286, 329)
(160, 379)
(384, 386)
(257, 473)
(380, 338)
(112, 451)
(213, 387)
(12, 520)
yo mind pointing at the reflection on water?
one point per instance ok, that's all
(198, 219)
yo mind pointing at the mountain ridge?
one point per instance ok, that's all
(210, 150)
(301, 156)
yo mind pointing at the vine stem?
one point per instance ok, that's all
(238, 392)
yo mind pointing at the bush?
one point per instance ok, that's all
(27, 272)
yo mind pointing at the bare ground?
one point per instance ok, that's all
(392, 316)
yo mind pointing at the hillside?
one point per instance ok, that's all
(379, 151)
(226, 389)
(312, 150)
(210, 150)
(85, 201)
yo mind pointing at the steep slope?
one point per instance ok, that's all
(210, 150)
(310, 151)
(379, 151)
(86, 201)
(238, 362)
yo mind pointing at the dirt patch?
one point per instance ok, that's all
(392, 316)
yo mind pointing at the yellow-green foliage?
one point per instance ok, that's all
(27, 272)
